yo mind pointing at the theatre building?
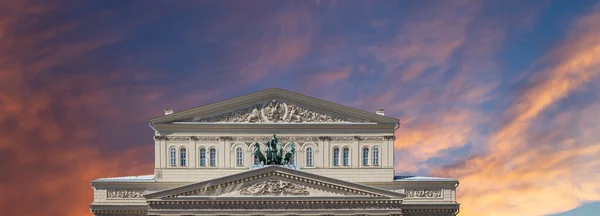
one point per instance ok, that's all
(274, 152)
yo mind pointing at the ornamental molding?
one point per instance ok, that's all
(276, 205)
(119, 212)
(429, 212)
(204, 190)
(389, 138)
(354, 138)
(423, 193)
(127, 193)
(274, 188)
(273, 111)
(252, 139)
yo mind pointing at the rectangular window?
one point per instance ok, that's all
(336, 157)
(213, 157)
(365, 157)
(375, 156)
(309, 157)
(203, 157)
(346, 155)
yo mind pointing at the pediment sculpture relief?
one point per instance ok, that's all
(274, 188)
(273, 112)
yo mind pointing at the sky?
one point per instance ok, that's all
(502, 95)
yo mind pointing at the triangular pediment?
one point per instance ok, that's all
(273, 106)
(272, 181)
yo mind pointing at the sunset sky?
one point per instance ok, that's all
(502, 95)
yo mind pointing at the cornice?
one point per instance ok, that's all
(299, 139)
(274, 93)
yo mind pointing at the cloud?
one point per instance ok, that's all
(55, 125)
(542, 156)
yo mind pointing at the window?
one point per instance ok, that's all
(213, 157)
(239, 157)
(375, 156)
(346, 155)
(336, 156)
(309, 157)
(182, 157)
(365, 156)
(173, 156)
(202, 157)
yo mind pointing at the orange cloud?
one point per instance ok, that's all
(525, 174)
(50, 149)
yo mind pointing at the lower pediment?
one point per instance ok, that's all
(272, 181)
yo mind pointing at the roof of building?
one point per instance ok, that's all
(140, 178)
(421, 178)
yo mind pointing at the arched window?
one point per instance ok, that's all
(309, 157)
(173, 156)
(365, 156)
(239, 157)
(213, 157)
(375, 156)
(182, 157)
(202, 157)
(336, 156)
(346, 156)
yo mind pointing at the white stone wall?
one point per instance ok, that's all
(322, 158)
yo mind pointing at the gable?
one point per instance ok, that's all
(274, 110)
(273, 181)
(273, 106)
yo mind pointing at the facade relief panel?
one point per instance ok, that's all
(125, 193)
(273, 111)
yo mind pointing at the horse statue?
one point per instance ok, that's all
(291, 152)
(271, 151)
(279, 159)
(259, 154)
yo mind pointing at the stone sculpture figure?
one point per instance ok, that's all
(279, 153)
(291, 153)
(274, 152)
(254, 116)
(259, 154)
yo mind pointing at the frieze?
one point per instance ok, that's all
(129, 193)
(119, 212)
(179, 138)
(389, 138)
(207, 138)
(272, 112)
(429, 212)
(371, 138)
(423, 193)
(342, 138)
(274, 188)
(275, 205)
(297, 139)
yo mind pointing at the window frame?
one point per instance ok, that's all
(202, 157)
(346, 156)
(376, 155)
(239, 157)
(336, 156)
(365, 156)
(183, 155)
(173, 156)
(309, 157)
(212, 152)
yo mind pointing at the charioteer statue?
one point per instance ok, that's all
(274, 152)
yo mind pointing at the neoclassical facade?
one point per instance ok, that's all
(339, 161)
